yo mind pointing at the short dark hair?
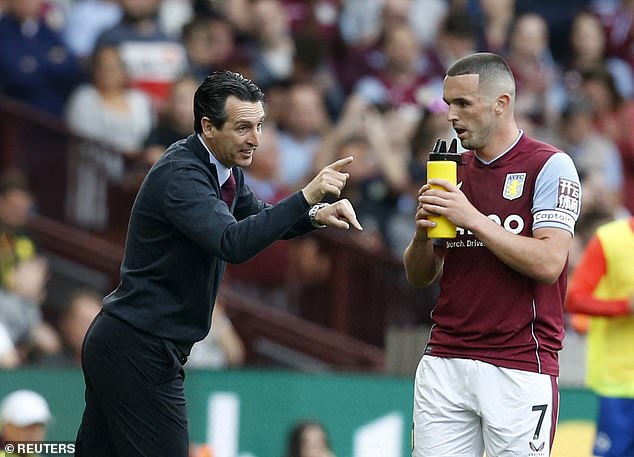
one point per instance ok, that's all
(491, 68)
(294, 441)
(603, 76)
(14, 179)
(210, 99)
(460, 25)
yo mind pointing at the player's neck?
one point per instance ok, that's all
(499, 143)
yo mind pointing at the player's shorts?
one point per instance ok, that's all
(615, 428)
(463, 407)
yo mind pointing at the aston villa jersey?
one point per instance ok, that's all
(487, 310)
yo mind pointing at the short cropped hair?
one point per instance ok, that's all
(491, 68)
(211, 96)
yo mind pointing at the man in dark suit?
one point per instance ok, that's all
(192, 215)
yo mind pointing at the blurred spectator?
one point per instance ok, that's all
(589, 221)
(177, 121)
(116, 116)
(263, 176)
(16, 245)
(432, 126)
(276, 104)
(314, 64)
(301, 126)
(588, 51)
(24, 415)
(596, 157)
(173, 15)
(378, 174)
(271, 47)
(602, 287)
(23, 277)
(614, 117)
(365, 26)
(457, 37)
(318, 18)
(152, 58)
(106, 109)
(237, 12)
(619, 26)
(539, 95)
(9, 357)
(21, 315)
(210, 43)
(35, 65)
(497, 17)
(23, 273)
(222, 348)
(558, 16)
(76, 315)
(400, 82)
(422, 16)
(85, 21)
(308, 439)
(363, 22)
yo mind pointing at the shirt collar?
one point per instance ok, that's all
(489, 162)
(223, 172)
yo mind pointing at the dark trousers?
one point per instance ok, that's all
(135, 399)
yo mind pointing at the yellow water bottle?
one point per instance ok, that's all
(443, 164)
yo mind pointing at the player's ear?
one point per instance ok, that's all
(502, 103)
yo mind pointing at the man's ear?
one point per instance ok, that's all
(502, 103)
(207, 127)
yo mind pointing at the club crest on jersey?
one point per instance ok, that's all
(514, 185)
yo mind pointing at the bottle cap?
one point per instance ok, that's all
(440, 151)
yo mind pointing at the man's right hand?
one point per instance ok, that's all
(330, 180)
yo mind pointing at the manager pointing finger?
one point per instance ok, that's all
(192, 215)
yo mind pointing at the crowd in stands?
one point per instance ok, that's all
(341, 77)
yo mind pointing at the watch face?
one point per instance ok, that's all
(312, 214)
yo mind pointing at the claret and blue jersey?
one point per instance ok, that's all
(488, 311)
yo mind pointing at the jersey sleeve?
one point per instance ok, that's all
(557, 197)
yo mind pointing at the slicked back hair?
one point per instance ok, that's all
(211, 96)
(493, 71)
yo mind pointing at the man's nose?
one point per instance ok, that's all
(254, 137)
(451, 114)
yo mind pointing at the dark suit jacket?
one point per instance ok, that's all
(180, 236)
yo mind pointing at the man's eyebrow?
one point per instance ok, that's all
(248, 122)
(455, 100)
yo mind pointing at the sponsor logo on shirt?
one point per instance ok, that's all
(514, 186)
(569, 195)
(464, 244)
(512, 223)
